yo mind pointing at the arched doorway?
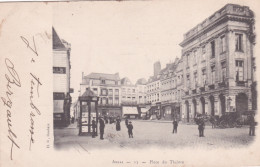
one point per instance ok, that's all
(212, 105)
(187, 111)
(202, 100)
(241, 103)
(222, 100)
(194, 107)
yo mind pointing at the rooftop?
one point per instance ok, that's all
(114, 77)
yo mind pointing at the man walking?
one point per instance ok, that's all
(126, 122)
(201, 127)
(93, 128)
(175, 126)
(101, 128)
(251, 125)
(130, 129)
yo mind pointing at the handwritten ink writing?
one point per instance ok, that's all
(12, 79)
(34, 50)
(35, 84)
(34, 80)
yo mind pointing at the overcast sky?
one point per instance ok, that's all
(128, 36)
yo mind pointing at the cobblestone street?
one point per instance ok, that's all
(148, 134)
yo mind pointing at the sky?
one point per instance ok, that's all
(128, 36)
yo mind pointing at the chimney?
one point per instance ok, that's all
(156, 68)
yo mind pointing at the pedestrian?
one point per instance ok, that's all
(93, 128)
(251, 125)
(201, 127)
(130, 129)
(126, 122)
(110, 119)
(118, 120)
(101, 128)
(175, 126)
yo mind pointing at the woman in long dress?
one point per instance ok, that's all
(118, 128)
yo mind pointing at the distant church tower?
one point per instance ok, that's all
(156, 68)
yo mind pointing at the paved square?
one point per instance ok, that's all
(153, 133)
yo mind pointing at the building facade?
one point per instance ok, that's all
(61, 80)
(217, 65)
(170, 103)
(108, 88)
(153, 94)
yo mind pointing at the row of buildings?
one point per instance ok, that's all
(117, 97)
(215, 74)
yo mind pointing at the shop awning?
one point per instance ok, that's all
(144, 110)
(58, 106)
(130, 110)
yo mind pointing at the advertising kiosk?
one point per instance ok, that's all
(88, 112)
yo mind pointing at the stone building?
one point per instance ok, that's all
(217, 57)
(108, 88)
(61, 80)
(153, 94)
(169, 93)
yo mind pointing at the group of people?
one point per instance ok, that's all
(102, 123)
(201, 126)
(200, 122)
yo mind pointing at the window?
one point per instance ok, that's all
(187, 60)
(104, 100)
(239, 42)
(203, 50)
(212, 44)
(223, 71)
(222, 44)
(110, 92)
(195, 57)
(117, 100)
(95, 90)
(195, 79)
(116, 92)
(103, 81)
(110, 100)
(133, 90)
(59, 70)
(213, 70)
(188, 81)
(104, 92)
(239, 70)
(204, 77)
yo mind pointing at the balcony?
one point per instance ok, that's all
(212, 86)
(240, 83)
(194, 91)
(222, 84)
(202, 89)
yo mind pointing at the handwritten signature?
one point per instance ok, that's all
(12, 79)
(34, 81)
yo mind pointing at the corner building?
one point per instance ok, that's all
(217, 58)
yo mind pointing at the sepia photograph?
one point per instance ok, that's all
(129, 83)
(129, 80)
